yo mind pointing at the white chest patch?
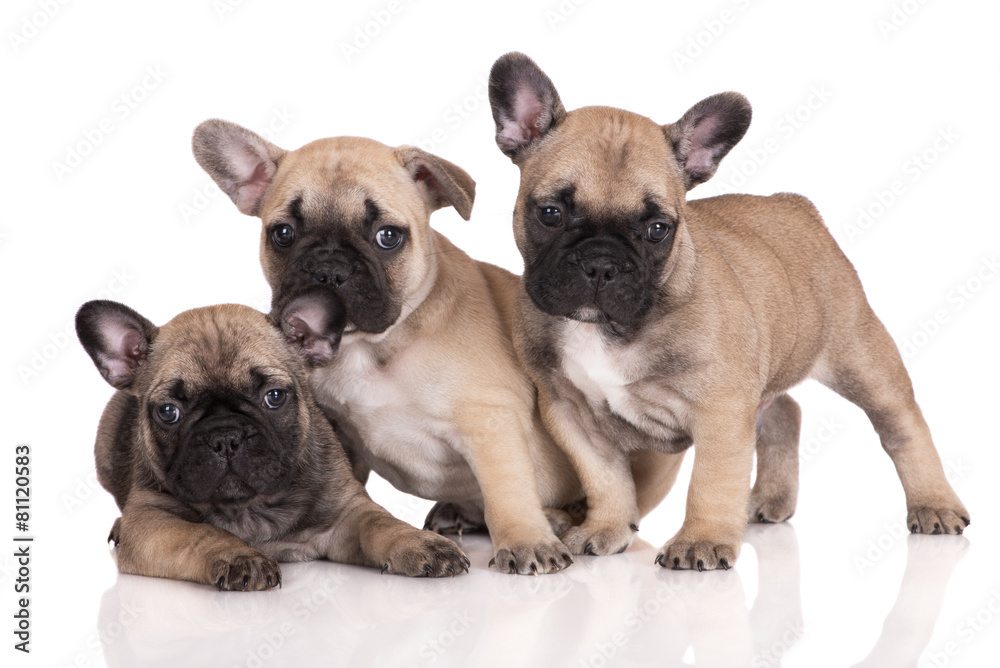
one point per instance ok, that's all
(593, 366)
(612, 379)
(400, 416)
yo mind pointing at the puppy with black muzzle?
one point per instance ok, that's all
(218, 457)
(425, 389)
(650, 323)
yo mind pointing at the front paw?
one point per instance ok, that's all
(937, 520)
(705, 553)
(600, 539)
(530, 556)
(426, 554)
(247, 571)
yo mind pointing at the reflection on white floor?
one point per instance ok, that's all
(602, 611)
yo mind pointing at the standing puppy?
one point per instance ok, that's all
(651, 323)
(218, 457)
(425, 389)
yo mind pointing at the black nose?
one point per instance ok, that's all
(601, 269)
(226, 440)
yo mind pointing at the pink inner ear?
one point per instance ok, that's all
(521, 129)
(124, 347)
(249, 192)
(702, 156)
(430, 185)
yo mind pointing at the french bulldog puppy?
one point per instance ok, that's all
(425, 388)
(220, 460)
(649, 322)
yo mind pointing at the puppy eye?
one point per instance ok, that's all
(283, 235)
(549, 215)
(275, 398)
(657, 232)
(389, 237)
(168, 413)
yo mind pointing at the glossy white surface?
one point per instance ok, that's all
(883, 113)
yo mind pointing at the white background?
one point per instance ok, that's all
(869, 86)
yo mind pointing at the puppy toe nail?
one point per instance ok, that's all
(701, 565)
(633, 526)
(658, 560)
(566, 557)
(914, 527)
(589, 549)
(512, 565)
(493, 562)
(724, 563)
(385, 568)
(966, 520)
(533, 568)
(677, 563)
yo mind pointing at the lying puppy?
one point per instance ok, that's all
(426, 389)
(651, 323)
(218, 457)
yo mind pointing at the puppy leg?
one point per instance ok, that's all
(605, 475)
(457, 518)
(155, 541)
(367, 535)
(777, 486)
(654, 474)
(718, 496)
(498, 442)
(868, 371)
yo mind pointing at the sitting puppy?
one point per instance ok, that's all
(651, 323)
(218, 457)
(425, 389)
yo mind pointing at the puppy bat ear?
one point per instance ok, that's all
(706, 133)
(117, 338)
(313, 321)
(241, 162)
(525, 103)
(440, 182)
